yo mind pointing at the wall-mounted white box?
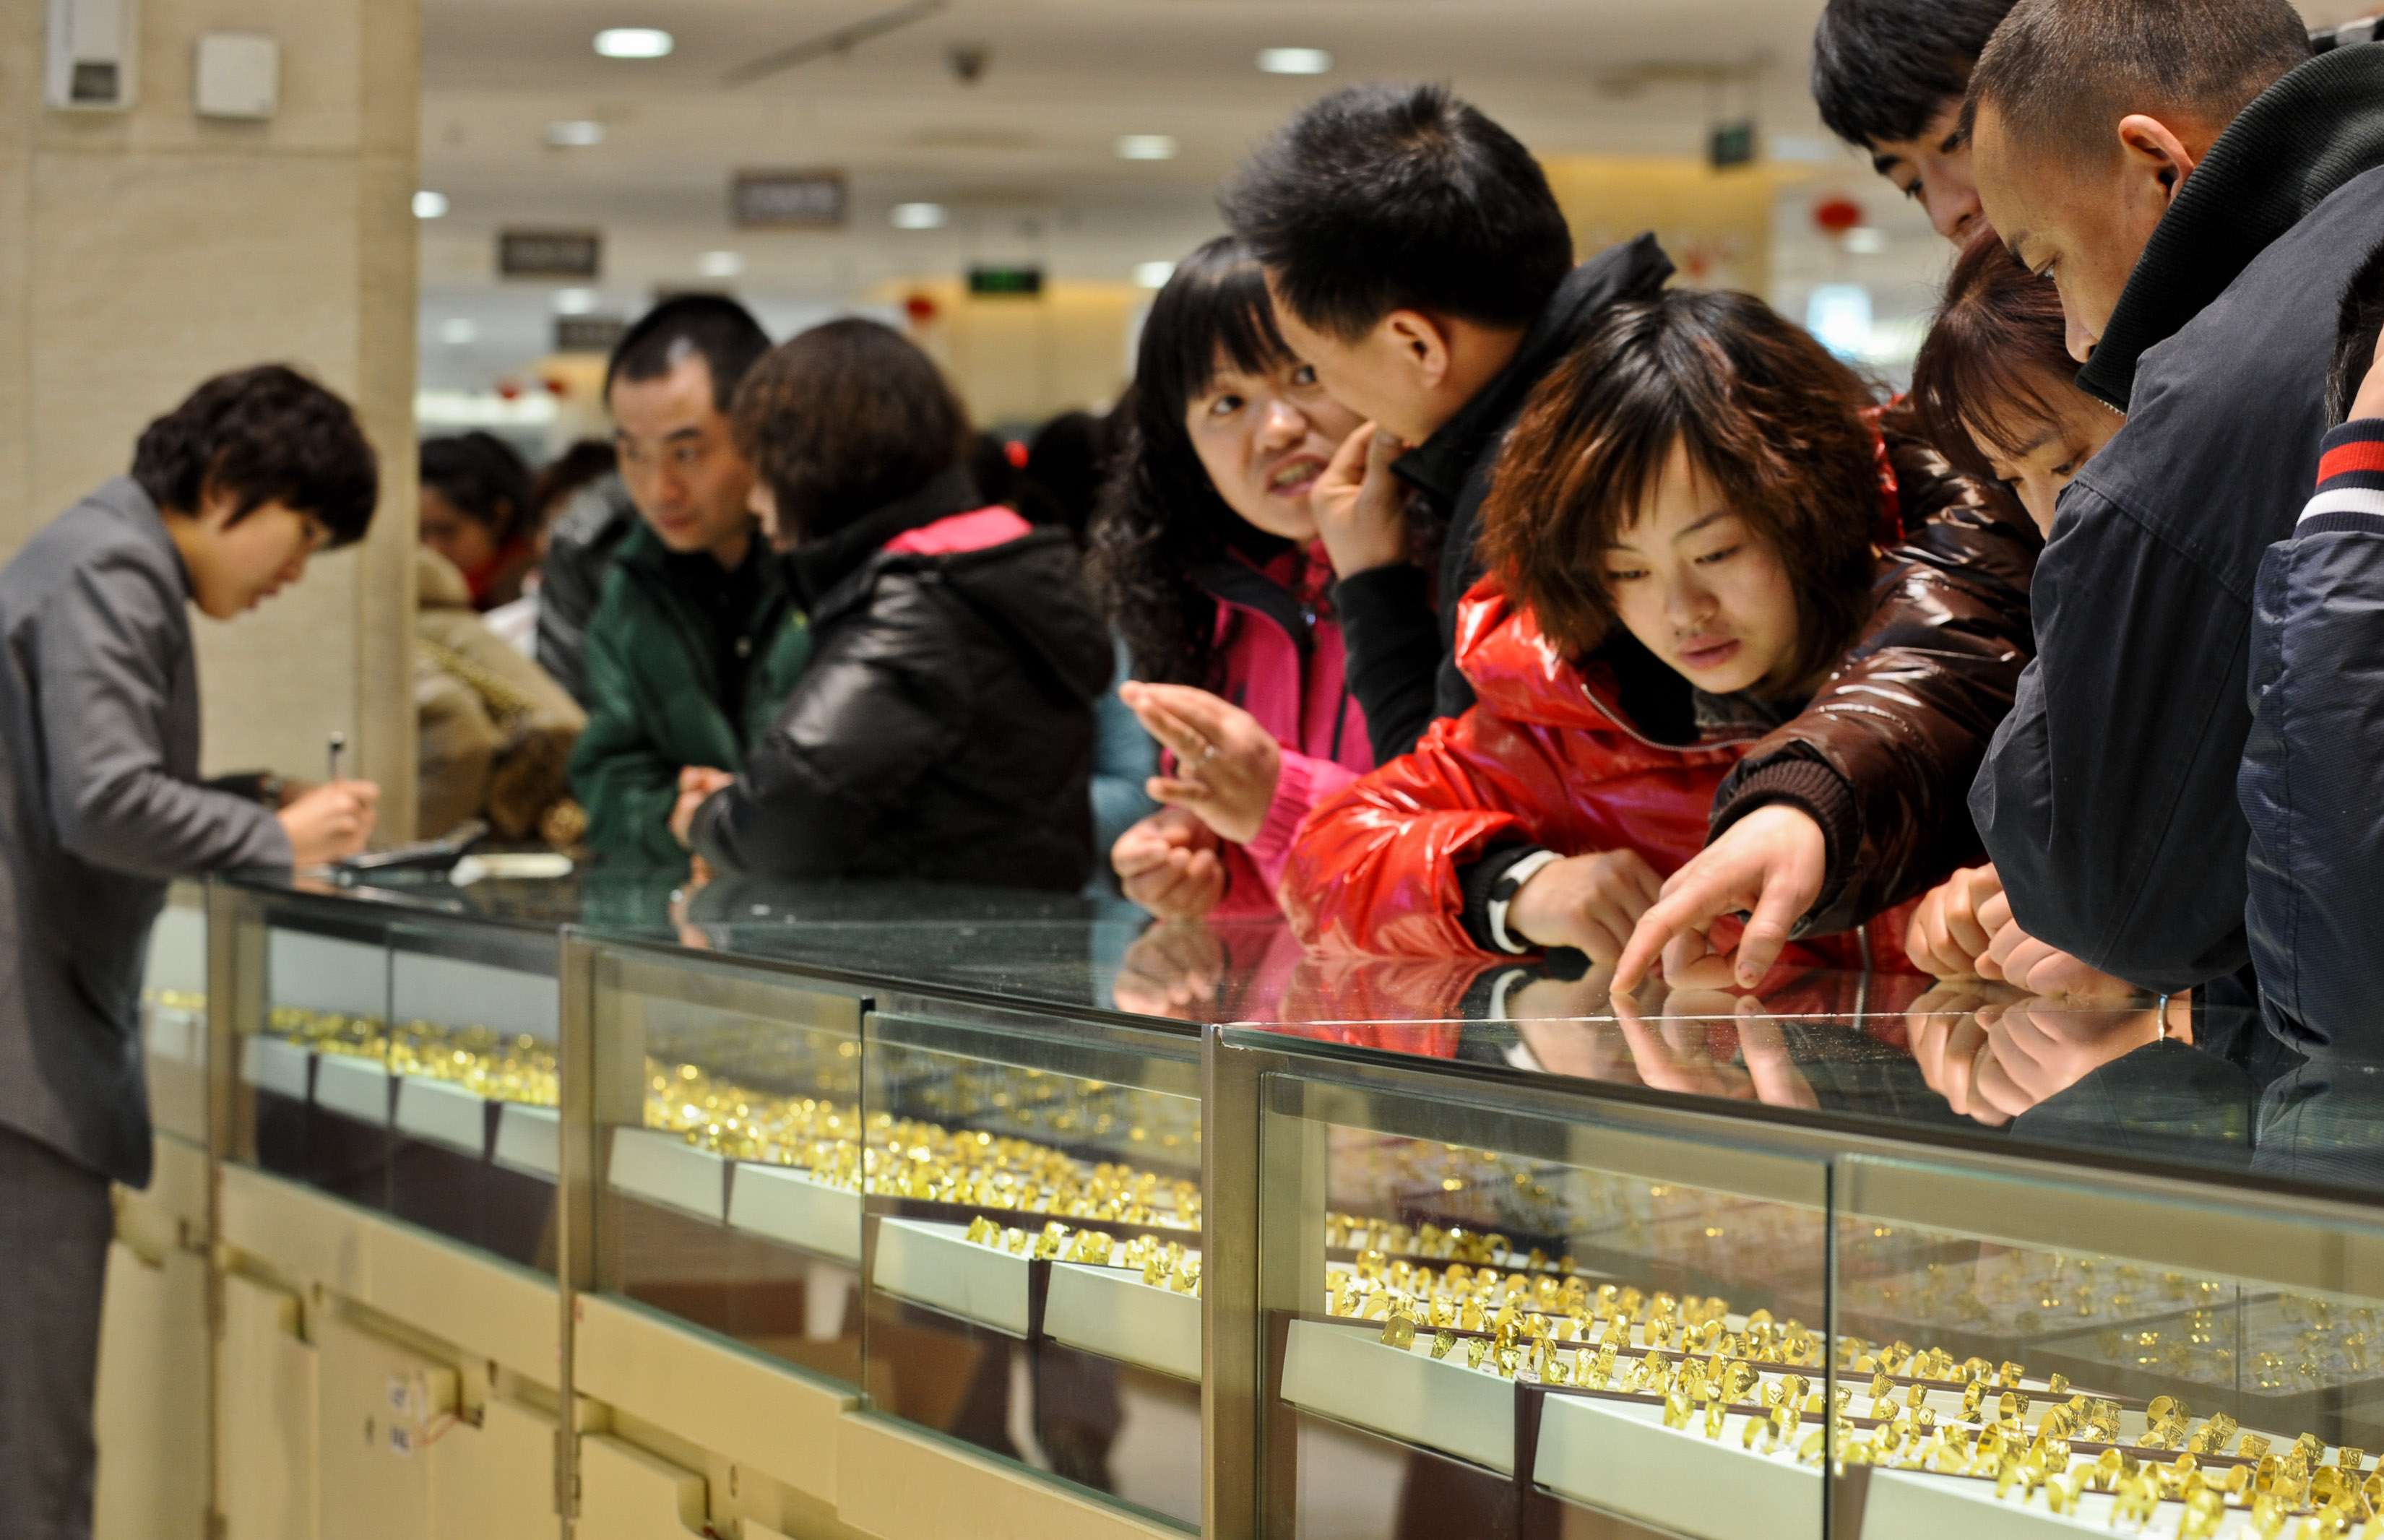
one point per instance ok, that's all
(237, 75)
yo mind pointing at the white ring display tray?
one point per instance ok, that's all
(796, 1208)
(651, 1163)
(936, 1264)
(1112, 1311)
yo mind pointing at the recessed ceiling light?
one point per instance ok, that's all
(633, 42)
(920, 216)
(429, 206)
(574, 302)
(455, 333)
(1153, 275)
(575, 133)
(720, 263)
(1295, 61)
(1865, 241)
(1146, 146)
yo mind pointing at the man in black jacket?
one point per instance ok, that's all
(2202, 192)
(1421, 265)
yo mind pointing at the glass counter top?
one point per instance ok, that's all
(2190, 1086)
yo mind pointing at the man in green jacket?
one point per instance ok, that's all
(695, 640)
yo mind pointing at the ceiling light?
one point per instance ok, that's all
(633, 42)
(1146, 146)
(455, 333)
(574, 302)
(1295, 61)
(1153, 275)
(428, 204)
(1865, 241)
(575, 133)
(720, 263)
(920, 216)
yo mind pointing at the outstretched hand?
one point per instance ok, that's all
(1770, 864)
(1226, 763)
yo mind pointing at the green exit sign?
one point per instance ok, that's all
(1006, 283)
(1733, 144)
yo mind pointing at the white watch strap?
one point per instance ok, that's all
(1518, 874)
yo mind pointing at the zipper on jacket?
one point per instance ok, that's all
(1616, 717)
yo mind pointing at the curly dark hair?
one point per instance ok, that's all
(265, 434)
(1160, 518)
(1783, 429)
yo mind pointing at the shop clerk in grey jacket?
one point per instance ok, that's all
(100, 804)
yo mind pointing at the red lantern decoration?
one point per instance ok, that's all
(920, 308)
(1835, 216)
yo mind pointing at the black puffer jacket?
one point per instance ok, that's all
(944, 729)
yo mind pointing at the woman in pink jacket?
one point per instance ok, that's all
(1208, 556)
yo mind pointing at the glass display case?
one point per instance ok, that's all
(1237, 1238)
(174, 1016)
(399, 1050)
(897, 1137)
(1854, 1258)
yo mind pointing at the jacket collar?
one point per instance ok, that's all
(1247, 586)
(1442, 463)
(2299, 142)
(132, 506)
(816, 567)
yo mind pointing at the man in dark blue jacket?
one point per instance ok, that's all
(2200, 191)
(2308, 782)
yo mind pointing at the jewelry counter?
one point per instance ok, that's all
(1849, 1259)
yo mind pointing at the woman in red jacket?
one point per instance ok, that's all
(1695, 535)
(1209, 559)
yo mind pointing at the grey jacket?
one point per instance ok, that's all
(99, 769)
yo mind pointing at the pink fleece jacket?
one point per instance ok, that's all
(1280, 658)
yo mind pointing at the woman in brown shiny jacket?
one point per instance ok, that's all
(1861, 802)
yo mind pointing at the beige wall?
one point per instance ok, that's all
(1023, 360)
(141, 252)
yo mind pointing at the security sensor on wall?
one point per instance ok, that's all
(93, 55)
(237, 75)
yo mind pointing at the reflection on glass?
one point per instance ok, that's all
(2118, 1393)
(1035, 1264)
(1484, 1340)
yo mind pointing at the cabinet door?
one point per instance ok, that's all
(376, 1404)
(627, 1494)
(152, 1413)
(497, 1478)
(265, 1448)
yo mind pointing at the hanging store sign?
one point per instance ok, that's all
(787, 200)
(550, 252)
(1006, 283)
(588, 333)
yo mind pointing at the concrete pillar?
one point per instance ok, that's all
(142, 251)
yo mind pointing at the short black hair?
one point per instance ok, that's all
(722, 331)
(844, 419)
(1883, 68)
(485, 479)
(259, 435)
(1400, 197)
(2361, 326)
(2060, 74)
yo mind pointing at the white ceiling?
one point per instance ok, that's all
(1025, 156)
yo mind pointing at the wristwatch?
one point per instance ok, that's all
(1503, 892)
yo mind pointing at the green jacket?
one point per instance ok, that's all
(654, 698)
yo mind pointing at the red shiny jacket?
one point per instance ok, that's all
(1547, 756)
